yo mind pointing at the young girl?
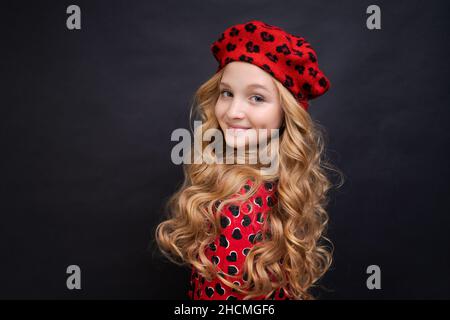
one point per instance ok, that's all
(248, 233)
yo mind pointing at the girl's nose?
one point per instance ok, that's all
(235, 110)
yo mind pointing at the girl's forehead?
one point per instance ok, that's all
(246, 75)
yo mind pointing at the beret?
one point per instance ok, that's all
(287, 57)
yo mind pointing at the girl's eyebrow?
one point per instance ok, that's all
(253, 85)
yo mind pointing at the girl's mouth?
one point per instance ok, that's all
(237, 131)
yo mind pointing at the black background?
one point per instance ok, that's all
(86, 119)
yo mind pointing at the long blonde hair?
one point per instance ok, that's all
(293, 253)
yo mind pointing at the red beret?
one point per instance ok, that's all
(287, 57)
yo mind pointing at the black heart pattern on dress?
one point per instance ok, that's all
(259, 217)
(224, 221)
(268, 186)
(238, 227)
(246, 221)
(259, 236)
(209, 291)
(219, 289)
(232, 270)
(234, 210)
(223, 241)
(236, 234)
(215, 260)
(253, 238)
(258, 201)
(232, 257)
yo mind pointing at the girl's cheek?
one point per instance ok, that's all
(271, 119)
(220, 110)
(217, 111)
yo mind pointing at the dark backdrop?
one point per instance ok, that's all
(86, 118)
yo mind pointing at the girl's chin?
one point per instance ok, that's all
(237, 142)
(237, 145)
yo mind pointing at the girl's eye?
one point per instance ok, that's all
(259, 99)
(223, 91)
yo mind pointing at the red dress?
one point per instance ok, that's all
(240, 229)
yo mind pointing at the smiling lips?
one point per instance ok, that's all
(237, 130)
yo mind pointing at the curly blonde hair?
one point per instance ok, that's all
(294, 253)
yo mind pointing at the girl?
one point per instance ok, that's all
(248, 233)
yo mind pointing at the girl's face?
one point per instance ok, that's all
(248, 100)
